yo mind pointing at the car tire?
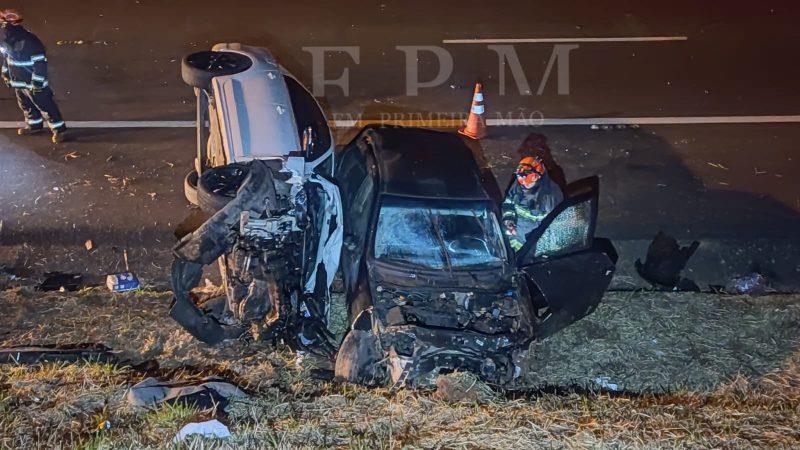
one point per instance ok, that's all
(198, 69)
(190, 187)
(219, 185)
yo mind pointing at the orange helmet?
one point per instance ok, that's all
(12, 16)
(529, 171)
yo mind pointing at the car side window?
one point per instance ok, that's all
(307, 113)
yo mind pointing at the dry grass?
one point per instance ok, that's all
(731, 365)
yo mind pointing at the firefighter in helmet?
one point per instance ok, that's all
(531, 197)
(25, 69)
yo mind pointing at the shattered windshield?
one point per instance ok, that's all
(413, 231)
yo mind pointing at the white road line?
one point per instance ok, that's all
(566, 39)
(702, 120)
(449, 123)
(116, 124)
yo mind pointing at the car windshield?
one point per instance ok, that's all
(438, 237)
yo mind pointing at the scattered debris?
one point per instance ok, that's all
(59, 281)
(208, 393)
(717, 165)
(124, 281)
(665, 261)
(463, 387)
(751, 284)
(88, 244)
(211, 429)
(605, 383)
(61, 353)
(82, 42)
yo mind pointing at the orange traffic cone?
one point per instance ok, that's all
(476, 124)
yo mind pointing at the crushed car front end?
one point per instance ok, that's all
(264, 163)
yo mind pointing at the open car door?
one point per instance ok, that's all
(567, 269)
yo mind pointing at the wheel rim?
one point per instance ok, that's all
(225, 181)
(217, 61)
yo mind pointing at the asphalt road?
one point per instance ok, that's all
(119, 60)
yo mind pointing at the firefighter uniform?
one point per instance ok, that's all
(532, 196)
(25, 69)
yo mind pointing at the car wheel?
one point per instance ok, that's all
(198, 69)
(190, 187)
(219, 185)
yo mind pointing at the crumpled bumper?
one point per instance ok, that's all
(417, 355)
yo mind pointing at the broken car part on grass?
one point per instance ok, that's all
(665, 262)
(431, 284)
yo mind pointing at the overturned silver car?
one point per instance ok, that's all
(263, 172)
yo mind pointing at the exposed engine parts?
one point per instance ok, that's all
(258, 239)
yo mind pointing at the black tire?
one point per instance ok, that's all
(219, 185)
(190, 187)
(198, 69)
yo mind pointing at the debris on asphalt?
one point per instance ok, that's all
(751, 284)
(205, 394)
(717, 165)
(665, 261)
(82, 42)
(88, 244)
(59, 281)
(210, 429)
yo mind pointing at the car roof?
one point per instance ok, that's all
(415, 162)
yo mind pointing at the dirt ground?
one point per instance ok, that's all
(646, 369)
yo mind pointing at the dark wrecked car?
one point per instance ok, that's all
(263, 174)
(431, 283)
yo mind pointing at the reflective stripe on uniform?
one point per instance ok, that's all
(527, 214)
(5, 69)
(57, 124)
(13, 62)
(20, 84)
(516, 244)
(35, 58)
(35, 77)
(34, 121)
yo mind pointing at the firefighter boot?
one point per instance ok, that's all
(59, 135)
(29, 130)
